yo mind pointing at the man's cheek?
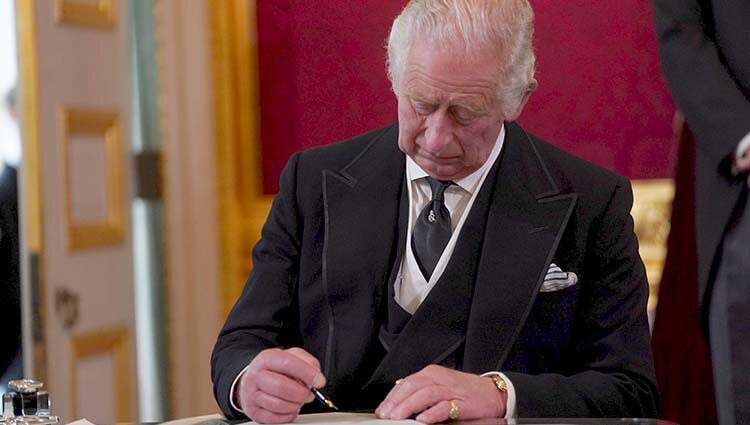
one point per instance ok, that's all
(406, 143)
(407, 138)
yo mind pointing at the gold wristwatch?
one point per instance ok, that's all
(500, 383)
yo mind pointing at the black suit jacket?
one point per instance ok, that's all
(703, 46)
(331, 238)
(10, 282)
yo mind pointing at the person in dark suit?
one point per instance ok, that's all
(449, 266)
(703, 46)
(10, 282)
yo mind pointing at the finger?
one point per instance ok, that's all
(274, 404)
(437, 413)
(283, 387)
(402, 389)
(292, 366)
(304, 355)
(420, 400)
(263, 416)
(429, 375)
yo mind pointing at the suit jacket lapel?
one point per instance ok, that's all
(361, 203)
(526, 216)
(526, 220)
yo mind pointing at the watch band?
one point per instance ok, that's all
(500, 383)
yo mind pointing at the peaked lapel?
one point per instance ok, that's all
(361, 203)
(526, 219)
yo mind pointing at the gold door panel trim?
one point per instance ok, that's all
(96, 14)
(105, 124)
(652, 209)
(115, 341)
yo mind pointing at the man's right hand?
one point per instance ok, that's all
(277, 383)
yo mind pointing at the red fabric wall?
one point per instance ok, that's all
(600, 95)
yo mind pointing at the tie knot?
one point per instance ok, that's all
(438, 187)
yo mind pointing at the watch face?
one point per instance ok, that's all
(500, 383)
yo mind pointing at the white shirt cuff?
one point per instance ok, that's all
(236, 380)
(742, 146)
(510, 405)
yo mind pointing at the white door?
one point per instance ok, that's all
(74, 71)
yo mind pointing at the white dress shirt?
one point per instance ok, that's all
(411, 287)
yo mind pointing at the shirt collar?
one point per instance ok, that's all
(470, 182)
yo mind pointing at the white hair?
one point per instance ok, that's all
(500, 27)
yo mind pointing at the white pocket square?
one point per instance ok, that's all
(556, 279)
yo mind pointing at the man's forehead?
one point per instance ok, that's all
(435, 84)
(434, 58)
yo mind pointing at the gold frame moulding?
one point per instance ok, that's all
(98, 14)
(111, 231)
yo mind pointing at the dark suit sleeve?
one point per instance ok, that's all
(612, 364)
(265, 314)
(703, 87)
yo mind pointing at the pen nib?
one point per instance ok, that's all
(323, 399)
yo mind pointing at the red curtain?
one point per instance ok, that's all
(601, 94)
(681, 354)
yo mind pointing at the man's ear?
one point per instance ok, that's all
(526, 95)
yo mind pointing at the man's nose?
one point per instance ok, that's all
(439, 132)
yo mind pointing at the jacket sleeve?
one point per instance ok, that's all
(613, 373)
(265, 313)
(716, 109)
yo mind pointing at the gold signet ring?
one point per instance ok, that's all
(454, 412)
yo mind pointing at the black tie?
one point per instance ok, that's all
(432, 231)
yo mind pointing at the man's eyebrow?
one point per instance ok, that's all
(470, 107)
(416, 97)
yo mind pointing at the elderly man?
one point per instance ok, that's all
(450, 266)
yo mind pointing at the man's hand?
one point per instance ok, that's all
(429, 392)
(276, 384)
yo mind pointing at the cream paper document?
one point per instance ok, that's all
(341, 418)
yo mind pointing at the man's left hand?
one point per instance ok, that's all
(429, 393)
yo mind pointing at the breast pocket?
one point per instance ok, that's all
(554, 311)
(544, 341)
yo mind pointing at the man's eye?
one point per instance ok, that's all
(463, 115)
(423, 107)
